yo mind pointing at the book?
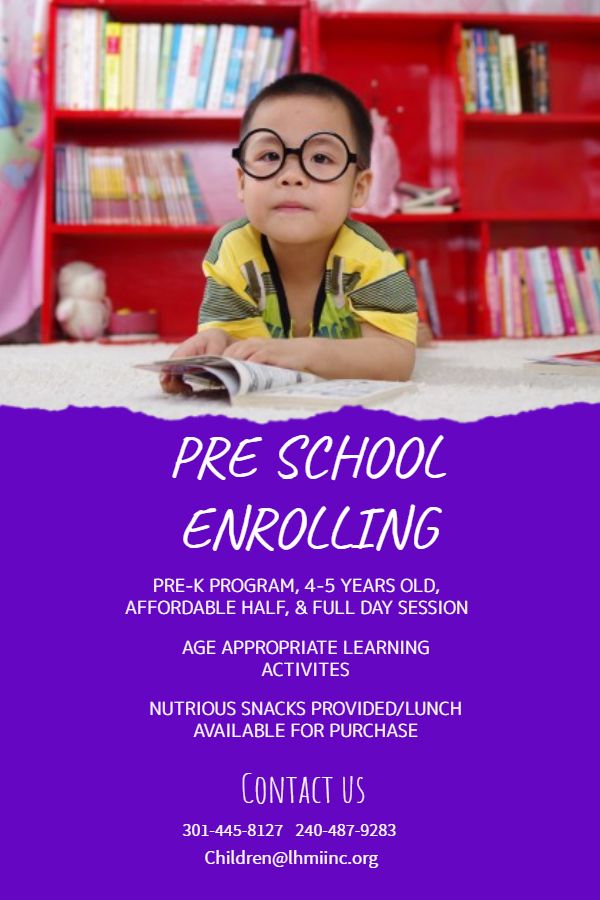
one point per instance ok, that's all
(561, 289)
(253, 384)
(154, 41)
(219, 70)
(534, 76)
(112, 69)
(585, 363)
(130, 34)
(586, 289)
(260, 61)
(250, 48)
(541, 81)
(287, 52)
(172, 69)
(126, 185)
(493, 293)
(572, 288)
(492, 37)
(510, 74)
(166, 46)
(272, 62)
(546, 291)
(430, 297)
(484, 95)
(206, 64)
(234, 67)
(182, 67)
(466, 70)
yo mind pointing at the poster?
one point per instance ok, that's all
(352, 655)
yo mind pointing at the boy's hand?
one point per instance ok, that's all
(213, 341)
(293, 353)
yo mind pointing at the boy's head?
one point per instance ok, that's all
(303, 198)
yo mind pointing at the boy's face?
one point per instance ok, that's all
(290, 207)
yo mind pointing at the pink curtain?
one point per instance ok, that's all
(21, 149)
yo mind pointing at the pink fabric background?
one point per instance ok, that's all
(21, 193)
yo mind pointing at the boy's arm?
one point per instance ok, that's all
(375, 355)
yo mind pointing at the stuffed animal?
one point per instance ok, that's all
(83, 309)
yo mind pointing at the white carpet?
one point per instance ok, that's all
(463, 381)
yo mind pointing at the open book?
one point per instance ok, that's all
(254, 384)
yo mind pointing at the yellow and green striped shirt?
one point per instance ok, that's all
(363, 282)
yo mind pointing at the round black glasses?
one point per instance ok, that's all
(323, 156)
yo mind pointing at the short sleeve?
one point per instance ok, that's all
(385, 298)
(227, 303)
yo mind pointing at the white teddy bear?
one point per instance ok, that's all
(83, 309)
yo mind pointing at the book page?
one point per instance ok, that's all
(243, 377)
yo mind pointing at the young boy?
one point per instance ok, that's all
(284, 284)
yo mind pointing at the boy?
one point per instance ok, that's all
(285, 283)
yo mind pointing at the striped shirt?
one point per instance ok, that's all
(363, 282)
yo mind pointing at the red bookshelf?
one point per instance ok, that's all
(154, 266)
(523, 180)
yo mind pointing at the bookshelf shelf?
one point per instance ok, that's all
(522, 180)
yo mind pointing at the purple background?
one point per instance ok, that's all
(498, 803)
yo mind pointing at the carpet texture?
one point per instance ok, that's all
(463, 381)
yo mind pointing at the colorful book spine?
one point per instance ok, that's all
(572, 286)
(536, 326)
(154, 39)
(492, 38)
(89, 51)
(484, 97)
(563, 296)
(219, 72)
(165, 60)
(526, 304)
(288, 46)
(75, 39)
(537, 275)
(516, 298)
(195, 63)
(129, 65)
(550, 289)
(507, 302)
(206, 64)
(173, 64)
(184, 59)
(510, 74)
(430, 297)
(260, 61)
(592, 264)
(112, 70)
(273, 58)
(541, 79)
(247, 64)
(493, 295)
(234, 67)
(586, 288)
(62, 59)
(470, 70)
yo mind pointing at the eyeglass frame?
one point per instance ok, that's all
(296, 151)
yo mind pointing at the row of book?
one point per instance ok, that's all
(539, 291)
(103, 64)
(133, 186)
(497, 77)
